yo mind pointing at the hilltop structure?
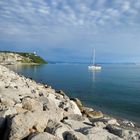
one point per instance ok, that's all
(7, 57)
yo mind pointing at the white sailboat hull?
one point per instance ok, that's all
(93, 67)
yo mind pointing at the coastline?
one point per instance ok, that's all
(21, 64)
(108, 113)
(23, 101)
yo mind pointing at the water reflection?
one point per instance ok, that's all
(92, 74)
(24, 67)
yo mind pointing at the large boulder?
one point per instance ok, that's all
(7, 102)
(77, 125)
(21, 125)
(77, 122)
(42, 136)
(53, 98)
(31, 104)
(61, 92)
(4, 114)
(93, 114)
(105, 120)
(77, 101)
(75, 108)
(123, 133)
(98, 133)
(45, 102)
(76, 117)
(57, 128)
(73, 135)
(3, 120)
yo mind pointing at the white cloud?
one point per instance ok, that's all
(113, 12)
(42, 17)
(126, 6)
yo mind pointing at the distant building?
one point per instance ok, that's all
(35, 53)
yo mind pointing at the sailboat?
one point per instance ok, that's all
(93, 66)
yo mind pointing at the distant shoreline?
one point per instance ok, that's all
(9, 57)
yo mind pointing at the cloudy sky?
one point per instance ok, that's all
(67, 30)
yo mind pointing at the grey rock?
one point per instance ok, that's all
(128, 123)
(4, 114)
(93, 114)
(72, 135)
(42, 136)
(98, 133)
(21, 125)
(105, 120)
(57, 128)
(75, 108)
(61, 92)
(6, 102)
(78, 125)
(31, 104)
(45, 102)
(76, 117)
(125, 134)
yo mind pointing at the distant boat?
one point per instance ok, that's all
(94, 66)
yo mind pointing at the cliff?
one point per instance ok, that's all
(7, 57)
(33, 111)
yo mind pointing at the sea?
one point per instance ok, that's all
(114, 90)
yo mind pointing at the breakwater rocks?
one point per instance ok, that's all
(33, 111)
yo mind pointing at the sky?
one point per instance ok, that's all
(68, 30)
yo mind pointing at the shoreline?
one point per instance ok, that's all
(22, 64)
(22, 98)
(121, 119)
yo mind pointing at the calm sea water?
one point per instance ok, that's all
(114, 90)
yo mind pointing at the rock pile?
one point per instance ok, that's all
(33, 111)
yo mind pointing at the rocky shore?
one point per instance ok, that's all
(33, 111)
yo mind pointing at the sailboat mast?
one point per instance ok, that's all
(94, 66)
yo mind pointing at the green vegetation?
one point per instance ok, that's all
(28, 57)
(32, 58)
